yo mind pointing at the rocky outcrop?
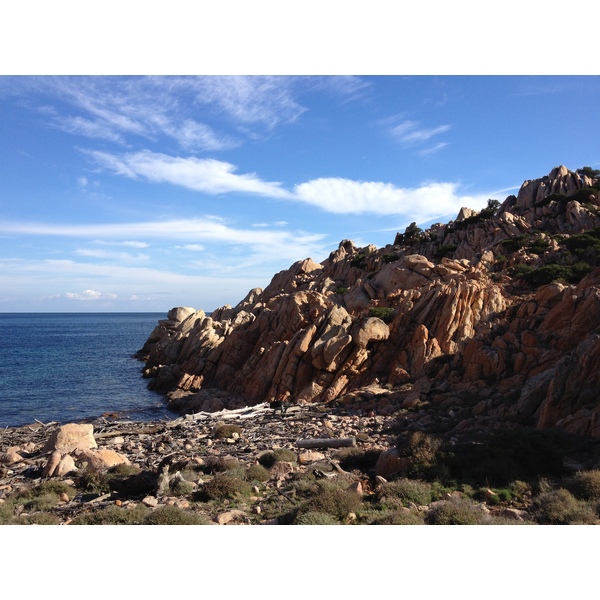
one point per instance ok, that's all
(441, 316)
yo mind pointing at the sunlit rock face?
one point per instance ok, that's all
(458, 306)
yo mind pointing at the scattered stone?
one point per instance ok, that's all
(150, 501)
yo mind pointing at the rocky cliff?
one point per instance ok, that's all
(492, 318)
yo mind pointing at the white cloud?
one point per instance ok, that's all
(421, 204)
(89, 295)
(206, 175)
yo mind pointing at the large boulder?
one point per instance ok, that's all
(71, 437)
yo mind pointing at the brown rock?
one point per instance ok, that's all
(52, 464)
(307, 458)
(104, 458)
(390, 463)
(70, 437)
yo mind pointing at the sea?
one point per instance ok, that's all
(68, 367)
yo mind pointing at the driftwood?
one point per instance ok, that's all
(326, 442)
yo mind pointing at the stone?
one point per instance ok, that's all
(102, 459)
(71, 437)
(307, 458)
(390, 463)
(150, 501)
(10, 457)
(230, 516)
(52, 464)
(65, 466)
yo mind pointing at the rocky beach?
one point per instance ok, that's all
(448, 378)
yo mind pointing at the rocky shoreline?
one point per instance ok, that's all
(257, 465)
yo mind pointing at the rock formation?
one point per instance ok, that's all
(491, 318)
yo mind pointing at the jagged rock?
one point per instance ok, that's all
(455, 314)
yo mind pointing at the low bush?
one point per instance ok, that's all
(407, 491)
(586, 485)
(560, 507)
(456, 511)
(113, 515)
(227, 431)
(331, 499)
(268, 459)
(316, 518)
(400, 517)
(221, 487)
(172, 515)
(424, 452)
(181, 487)
(257, 473)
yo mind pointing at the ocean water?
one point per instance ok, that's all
(69, 367)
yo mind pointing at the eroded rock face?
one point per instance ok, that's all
(441, 308)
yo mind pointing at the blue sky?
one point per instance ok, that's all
(141, 193)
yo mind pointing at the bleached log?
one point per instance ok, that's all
(326, 442)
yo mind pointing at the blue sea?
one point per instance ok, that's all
(71, 367)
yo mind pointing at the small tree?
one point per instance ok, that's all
(593, 173)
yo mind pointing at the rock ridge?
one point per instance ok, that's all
(493, 317)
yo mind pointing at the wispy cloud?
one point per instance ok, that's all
(410, 132)
(206, 175)
(121, 109)
(125, 257)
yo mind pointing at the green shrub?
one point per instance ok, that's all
(560, 507)
(539, 246)
(172, 515)
(40, 518)
(400, 517)
(227, 431)
(359, 261)
(586, 485)
(384, 313)
(95, 482)
(340, 290)
(219, 464)
(331, 499)
(423, 450)
(257, 473)
(181, 487)
(223, 486)
(113, 515)
(407, 491)
(268, 459)
(456, 511)
(316, 518)
(124, 469)
(444, 250)
(515, 243)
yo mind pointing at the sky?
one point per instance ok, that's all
(139, 193)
